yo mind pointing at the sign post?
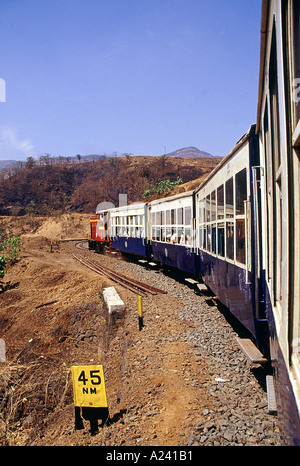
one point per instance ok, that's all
(89, 395)
(140, 309)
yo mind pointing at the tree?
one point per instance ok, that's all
(162, 187)
(127, 155)
(45, 159)
(30, 162)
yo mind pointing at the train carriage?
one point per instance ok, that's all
(278, 126)
(171, 223)
(228, 235)
(127, 229)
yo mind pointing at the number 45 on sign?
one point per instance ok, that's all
(89, 386)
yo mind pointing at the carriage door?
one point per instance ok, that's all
(257, 172)
(256, 215)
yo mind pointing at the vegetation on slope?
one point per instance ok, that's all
(79, 186)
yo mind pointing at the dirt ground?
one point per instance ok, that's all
(52, 317)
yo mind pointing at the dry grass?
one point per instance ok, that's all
(28, 393)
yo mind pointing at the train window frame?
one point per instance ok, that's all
(207, 209)
(173, 224)
(128, 225)
(220, 236)
(220, 202)
(240, 189)
(275, 153)
(240, 240)
(213, 206)
(180, 216)
(229, 198)
(240, 208)
(214, 238)
(230, 233)
(221, 239)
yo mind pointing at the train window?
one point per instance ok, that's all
(157, 234)
(273, 82)
(202, 211)
(213, 239)
(208, 237)
(229, 198)
(167, 213)
(158, 218)
(201, 236)
(276, 170)
(180, 237)
(180, 216)
(204, 238)
(230, 240)
(207, 208)
(240, 191)
(188, 237)
(221, 240)
(240, 241)
(220, 202)
(187, 215)
(168, 234)
(213, 206)
(173, 216)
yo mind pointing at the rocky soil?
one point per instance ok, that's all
(180, 381)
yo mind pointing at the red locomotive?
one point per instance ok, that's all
(99, 237)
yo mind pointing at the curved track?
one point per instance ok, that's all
(134, 285)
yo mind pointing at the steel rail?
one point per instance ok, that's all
(114, 278)
(130, 283)
(144, 286)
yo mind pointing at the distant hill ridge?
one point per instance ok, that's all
(189, 152)
(185, 152)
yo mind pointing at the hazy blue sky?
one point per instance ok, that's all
(135, 76)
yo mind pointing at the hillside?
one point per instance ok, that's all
(7, 163)
(79, 187)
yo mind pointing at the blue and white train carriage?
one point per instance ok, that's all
(170, 230)
(128, 225)
(228, 235)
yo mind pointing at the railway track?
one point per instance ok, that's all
(133, 285)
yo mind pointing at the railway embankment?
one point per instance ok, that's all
(181, 380)
(235, 410)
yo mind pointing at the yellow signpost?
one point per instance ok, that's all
(89, 386)
(89, 395)
(140, 310)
